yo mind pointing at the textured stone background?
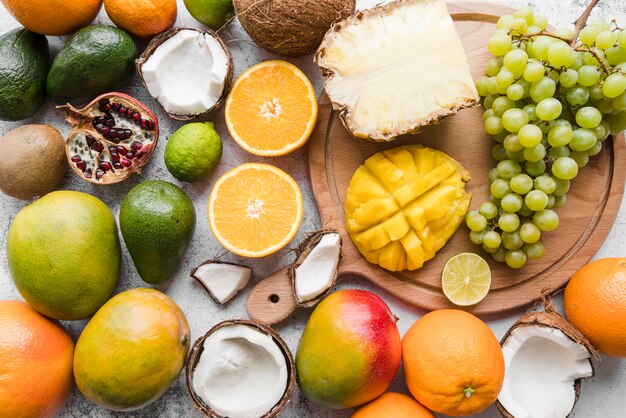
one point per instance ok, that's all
(601, 397)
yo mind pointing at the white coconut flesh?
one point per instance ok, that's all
(242, 372)
(187, 73)
(223, 281)
(397, 68)
(542, 365)
(319, 268)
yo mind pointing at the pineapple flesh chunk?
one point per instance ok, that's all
(395, 68)
(405, 203)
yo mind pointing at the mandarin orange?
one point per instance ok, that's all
(595, 303)
(36, 367)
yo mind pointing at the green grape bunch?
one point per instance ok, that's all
(551, 99)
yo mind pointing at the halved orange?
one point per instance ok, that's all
(272, 109)
(255, 209)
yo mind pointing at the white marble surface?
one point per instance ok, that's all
(601, 397)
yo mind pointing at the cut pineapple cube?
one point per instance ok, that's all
(394, 68)
(419, 212)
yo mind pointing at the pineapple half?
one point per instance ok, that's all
(394, 68)
(404, 204)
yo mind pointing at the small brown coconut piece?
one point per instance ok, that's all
(188, 71)
(290, 27)
(546, 358)
(240, 368)
(32, 161)
(314, 272)
(222, 280)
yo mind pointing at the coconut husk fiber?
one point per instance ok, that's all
(290, 27)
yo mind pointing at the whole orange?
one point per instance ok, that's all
(595, 303)
(453, 363)
(53, 17)
(142, 18)
(393, 405)
(36, 366)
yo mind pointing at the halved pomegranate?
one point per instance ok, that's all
(112, 137)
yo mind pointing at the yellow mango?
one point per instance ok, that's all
(404, 204)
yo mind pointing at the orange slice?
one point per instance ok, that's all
(272, 109)
(255, 209)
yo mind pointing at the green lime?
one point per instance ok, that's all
(211, 13)
(193, 152)
(466, 279)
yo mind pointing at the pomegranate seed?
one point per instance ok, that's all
(104, 165)
(99, 174)
(116, 106)
(139, 154)
(151, 125)
(76, 158)
(105, 108)
(104, 101)
(137, 117)
(136, 145)
(110, 122)
(99, 127)
(105, 130)
(113, 133)
(126, 163)
(97, 146)
(127, 133)
(122, 110)
(82, 165)
(144, 123)
(130, 155)
(87, 174)
(118, 166)
(115, 157)
(121, 150)
(90, 139)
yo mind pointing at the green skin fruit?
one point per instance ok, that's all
(193, 152)
(93, 61)
(23, 69)
(132, 350)
(211, 13)
(157, 220)
(64, 254)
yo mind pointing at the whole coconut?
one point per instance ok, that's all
(290, 27)
(32, 161)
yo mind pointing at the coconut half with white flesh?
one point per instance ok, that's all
(222, 280)
(546, 358)
(188, 71)
(315, 270)
(414, 75)
(240, 369)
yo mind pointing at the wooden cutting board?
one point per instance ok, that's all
(592, 202)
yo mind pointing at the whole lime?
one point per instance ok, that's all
(132, 350)
(211, 13)
(64, 254)
(193, 152)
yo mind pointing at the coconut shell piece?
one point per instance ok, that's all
(198, 347)
(552, 319)
(215, 261)
(285, 27)
(303, 250)
(160, 39)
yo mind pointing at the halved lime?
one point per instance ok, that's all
(465, 279)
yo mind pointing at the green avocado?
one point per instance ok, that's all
(93, 61)
(23, 68)
(157, 220)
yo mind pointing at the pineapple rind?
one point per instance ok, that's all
(394, 68)
(423, 205)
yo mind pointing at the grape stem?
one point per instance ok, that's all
(585, 48)
(544, 33)
(579, 24)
